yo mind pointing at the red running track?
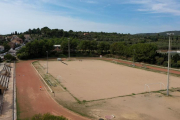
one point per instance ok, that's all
(32, 100)
(140, 65)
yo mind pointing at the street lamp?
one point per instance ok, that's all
(47, 61)
(133, 58)
(69, 48)
(169, 55)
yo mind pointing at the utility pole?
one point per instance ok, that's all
(47, 62)
(69, 47)
(133, 58)
(169, 55)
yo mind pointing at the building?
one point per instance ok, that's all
(86, 33)
(27, 37)
(11, 44)
(173, 52)
(1, 37)
(17, 41)
(57, 48)
(1, 48)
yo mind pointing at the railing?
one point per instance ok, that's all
(14, 93)
(1, 103)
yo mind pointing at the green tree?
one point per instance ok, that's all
(9, 57)
(144, 52)
(103, 47)
(6, 47)
(47, 116)
(22, 36)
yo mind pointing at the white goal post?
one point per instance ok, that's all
(147, 86)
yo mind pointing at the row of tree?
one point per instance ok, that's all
(141, 52)
(38, 48)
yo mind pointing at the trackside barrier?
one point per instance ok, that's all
(42, 78)
(147, 86)
(14, 93)
(1, 104)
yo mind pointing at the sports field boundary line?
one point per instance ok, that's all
(68, 109)
(62, 87)
(133, 94)
(42, 78)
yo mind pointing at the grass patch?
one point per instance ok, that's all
(18, 108)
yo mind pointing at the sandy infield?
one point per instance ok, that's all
(96, 79)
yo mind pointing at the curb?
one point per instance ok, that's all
(42, 78)
(14, 94)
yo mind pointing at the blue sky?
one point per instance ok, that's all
(121, 16)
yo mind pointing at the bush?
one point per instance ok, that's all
(109, 56)
(48, 116)
(9, 57)
(1, 59)
(178, 63)
(23, 56)
(165, 63)
(159, 61)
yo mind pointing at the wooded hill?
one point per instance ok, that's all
(177, 33)
(160, 39)
(140, 48)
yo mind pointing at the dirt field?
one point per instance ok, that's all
(32, 100)
(95, 79)
(81, 79)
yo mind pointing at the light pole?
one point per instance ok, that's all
(69, 48)
(169, 55)
(47, 61)
(133, 58)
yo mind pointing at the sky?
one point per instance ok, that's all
(121, 16)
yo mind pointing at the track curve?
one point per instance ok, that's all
(31, 99)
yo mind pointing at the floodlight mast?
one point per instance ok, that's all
(169, 55)
(133, 57)
(69, 47)
(47, 62)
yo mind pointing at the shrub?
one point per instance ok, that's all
(9, 57)
(48, 116)
(165, 63)
(23, 56)
(159, 61)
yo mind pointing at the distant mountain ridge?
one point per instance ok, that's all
(176, 33)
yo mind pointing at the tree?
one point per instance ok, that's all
(176, 58)
(64, 46)
(35, 49)
(22, 36)
(103, 47)
(144, 52)
(9, 57)
(6, 47)
(45, 30)
(48, 116)
(83, 45)
(93, 45)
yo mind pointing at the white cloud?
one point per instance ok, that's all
(89, 1)
(92, 2)
(158, 6)
(22, 17)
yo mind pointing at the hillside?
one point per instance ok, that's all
(176, 33)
